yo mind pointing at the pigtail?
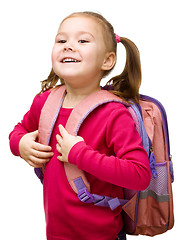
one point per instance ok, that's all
(127, 84)
(50, 82)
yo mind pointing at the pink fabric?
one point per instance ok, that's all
(112, 157)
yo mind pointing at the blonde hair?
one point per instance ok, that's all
(125, 85)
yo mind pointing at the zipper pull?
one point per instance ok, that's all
(152, 163)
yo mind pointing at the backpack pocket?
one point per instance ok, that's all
(158, 186)
(153, 210)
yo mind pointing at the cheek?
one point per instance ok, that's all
(53, 54)
(54, 58)
(54, 61)
(91, 56)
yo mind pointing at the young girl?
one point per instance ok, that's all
(108, 149)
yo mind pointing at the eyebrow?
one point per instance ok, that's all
(79, 33)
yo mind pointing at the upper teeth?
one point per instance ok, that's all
(69, 60)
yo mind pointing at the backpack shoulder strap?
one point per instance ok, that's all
(86, 106)
(49, 114)
(76, 118)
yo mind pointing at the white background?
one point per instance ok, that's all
(27, 30)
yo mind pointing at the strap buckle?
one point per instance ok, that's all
(85, 196)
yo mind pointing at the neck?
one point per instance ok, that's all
(75, 96)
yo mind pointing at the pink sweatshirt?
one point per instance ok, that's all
(112, 157)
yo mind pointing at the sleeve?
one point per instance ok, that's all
(28, 124)
(129, 165)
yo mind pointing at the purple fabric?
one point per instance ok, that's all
(39, 173)
(103, 201)
(85, 196)
(152, 165)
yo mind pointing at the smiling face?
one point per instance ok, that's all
(80, 56)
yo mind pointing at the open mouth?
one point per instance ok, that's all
(69, 60)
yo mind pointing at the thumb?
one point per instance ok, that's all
(63, 131)
(35, 134)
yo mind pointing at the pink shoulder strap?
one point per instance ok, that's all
(78, 115)
(50, 113)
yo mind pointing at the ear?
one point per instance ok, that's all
(109, 61)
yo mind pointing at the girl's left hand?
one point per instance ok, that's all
(65, 142)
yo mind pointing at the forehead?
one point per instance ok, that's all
(81, 24)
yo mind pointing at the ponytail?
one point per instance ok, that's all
(50, 82)
(127, 84)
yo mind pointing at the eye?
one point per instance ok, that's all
(61, 41)
(83, 41)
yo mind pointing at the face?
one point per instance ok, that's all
(79, 52)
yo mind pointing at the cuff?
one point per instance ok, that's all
(74, 152)
(14, 145)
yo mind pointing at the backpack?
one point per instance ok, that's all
(148, 212)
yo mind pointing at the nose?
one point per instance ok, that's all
(68, 47)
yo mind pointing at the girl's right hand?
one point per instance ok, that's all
(34, 153)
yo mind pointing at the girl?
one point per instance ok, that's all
(108, 147)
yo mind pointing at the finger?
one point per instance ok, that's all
(35, 165)
(39, 161)
(59, 139)
(60, 158)
(41, 147)
(63, 131)
(42, 155)
(58, 148)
